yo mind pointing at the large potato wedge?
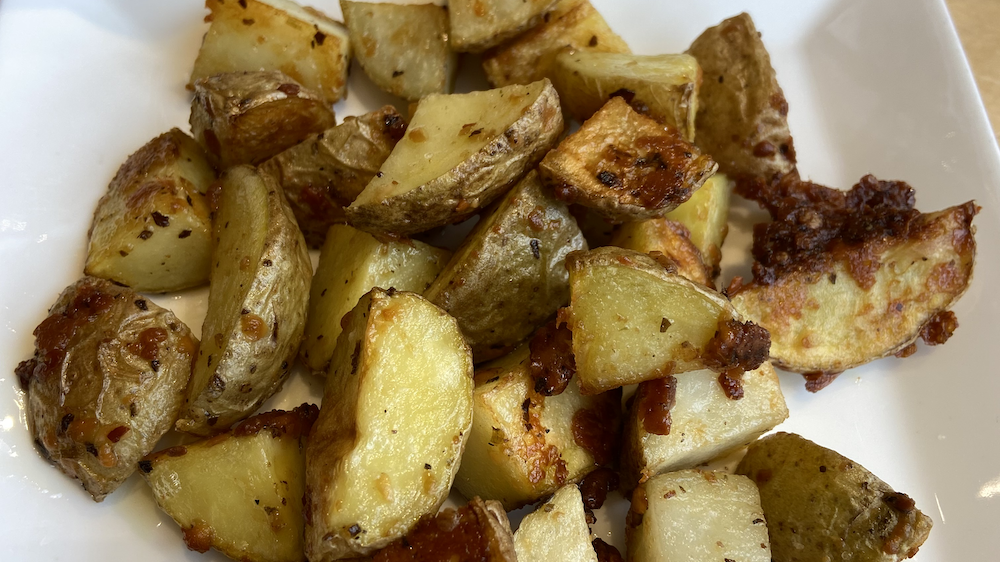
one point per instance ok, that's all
(625, 166)
(671, 239)
(403, 48)
(239, 492)
(106, 382)
(706, 216)
(248, 117)
(256, 304)
(742, 112)
(703, 423)
(351, 263)
(477, 25)
(396, 414)
(152, 230)
(695, 516)
(556, 530)
(460, 152)
(820, 505)
(275, 35)
(509, 275)
(573, 24)
(664, 87)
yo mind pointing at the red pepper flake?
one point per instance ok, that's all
(116, 434)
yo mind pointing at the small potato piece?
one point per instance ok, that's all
(695, 516)
(573, 24)
(460, 152)
(256, 304)
(276, 35)
(403, 48)
(704, 423)
(477, 25)
(518, 462)
(664, 87)
(706, 216)
(248, 117)
(820, 505)
(625, 166)
(557, 530)
(322, 175)
(671, 239)
(239, 492)
(510, 275)
(396, 414)
(351, 263)
(742, 112)
(106, 381)
(152, 230)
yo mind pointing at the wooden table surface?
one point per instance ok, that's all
(978, 24)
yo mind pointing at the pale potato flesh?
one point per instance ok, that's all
(695, 516)
(556, 530)
(351, 263)
(395, 418)
(706, 216)
(671, 239)
(477, 25)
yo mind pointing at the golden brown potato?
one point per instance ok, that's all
(742, 112)
(403, 48)
(556, 530)
(276, 35)
(820, 505)
(257, 302)
(482, 143)
(106, 381)
(625, 166)
(664, 87)
(509, 275)
(396, 414)
(477, 25)
(239, 492)
(706, 216)
(573, 24)
(152, 230)
(671, 239)
(248, 117)
(322, 175)
(351, 263)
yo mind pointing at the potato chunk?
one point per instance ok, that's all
(396, 414)
(477, 25)
(671, 239)
(239, 492)
(460, 152)
(706, 216)
(256, 304)
(106, 381)
(556, 530)
(529, 57)
(403, 48)
(695, 516)
(664, 87)
(351, 263)
(625, 166)
(276, 35)
(820, 505)
(510, 275)
(152, 230)
(248, 117)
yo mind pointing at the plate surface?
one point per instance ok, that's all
(874, 87)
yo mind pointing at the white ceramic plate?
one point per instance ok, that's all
(874, 87)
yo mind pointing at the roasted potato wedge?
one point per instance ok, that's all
(248, 117)
(633, 320)
(695, 516)
(152, 230)
(510, 275)
(820, 505)
(106, 381)
(239, 492)
(702, 423)
(351, 263)
(573, 24)
(625, 166)
(742, 112)
(477, 25)
(403, 48)
(396, 414)
(706, 216)
(664, 87)
(276, 35)
(482, 143)
(671, 239)
(257, 301)
(556, 530)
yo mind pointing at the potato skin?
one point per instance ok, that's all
(106, 382)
